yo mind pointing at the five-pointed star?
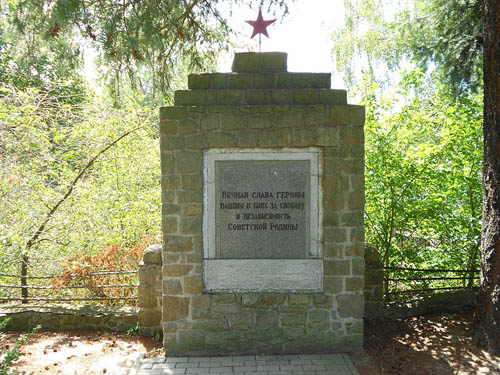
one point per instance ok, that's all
(259, 25)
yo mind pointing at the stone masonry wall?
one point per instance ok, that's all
(150, 291)
(260, 105)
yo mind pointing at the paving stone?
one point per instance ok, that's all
(307, 364)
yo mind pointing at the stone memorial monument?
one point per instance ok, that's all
(262, 216)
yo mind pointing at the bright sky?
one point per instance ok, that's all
(305, 34)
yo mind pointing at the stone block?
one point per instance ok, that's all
(177, 243)
(152, 255)
(192, 209)
(175, 308)
(193, 285)
(306, 96)
(191, 225)
(265, 81)
(242, 321)
(333, 284)
(337, 267)
(353, 218)
(298, 299)
(354, 284)
(333, 201)
(232, 121)
(240, 81)
(258, 97)
(172, 287)
(259, 62)
(192, 182)
(333, 97)
(356, 200)
(216, 139)
(146, 298)
(327, 136)
(190, 97)
(209, 122)
(321, 81)
(266, 319)
(358, 266)
(167, 163)
(219, 80)
(281, 97)
(188, 126)
(356, 249)
(231, 97)
(271, 299)
(189, 196)
(176, 270)
(149, 318)
(316, 117)
(274, 62)
(190, 341)
(269, 138)
(248, 138)
(352, 135)
(173, 113)
(333, 250)
(350, 305)
(322, 300)
(288, 320)
(171, 143)
(169, 127)
(169, 224)
(342, 115)
(196, 142)
(246, 62)
(200, 306)
(199, 81)
(251, 300)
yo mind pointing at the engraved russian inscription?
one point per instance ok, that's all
(262, 209)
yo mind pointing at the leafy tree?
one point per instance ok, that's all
(434, 34)
(461, 39)
(423, 175)
(143, 42)
(73, 178)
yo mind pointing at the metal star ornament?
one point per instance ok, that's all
(260, 26)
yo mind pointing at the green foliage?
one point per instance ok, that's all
(45, 144)
(434, 34)
(141, 43)
(133, 331)
(8, 356)
(423, 174)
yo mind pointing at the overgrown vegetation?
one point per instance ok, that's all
(9, 355)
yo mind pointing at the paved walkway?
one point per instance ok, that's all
(324, 364)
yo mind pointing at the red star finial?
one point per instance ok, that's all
(260, 25)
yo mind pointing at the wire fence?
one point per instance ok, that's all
(406, 282)
(110, 287)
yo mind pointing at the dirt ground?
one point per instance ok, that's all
(424, 345)
(427, 345)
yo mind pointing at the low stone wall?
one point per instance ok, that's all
(374, 278)
(68, 317)
(150, 291)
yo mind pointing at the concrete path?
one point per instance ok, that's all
(324, 364)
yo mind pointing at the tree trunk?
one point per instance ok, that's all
(487, 323)
(24, 277)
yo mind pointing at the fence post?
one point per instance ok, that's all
(150, 291)
(374, 279)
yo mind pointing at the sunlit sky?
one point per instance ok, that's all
(304, 33)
